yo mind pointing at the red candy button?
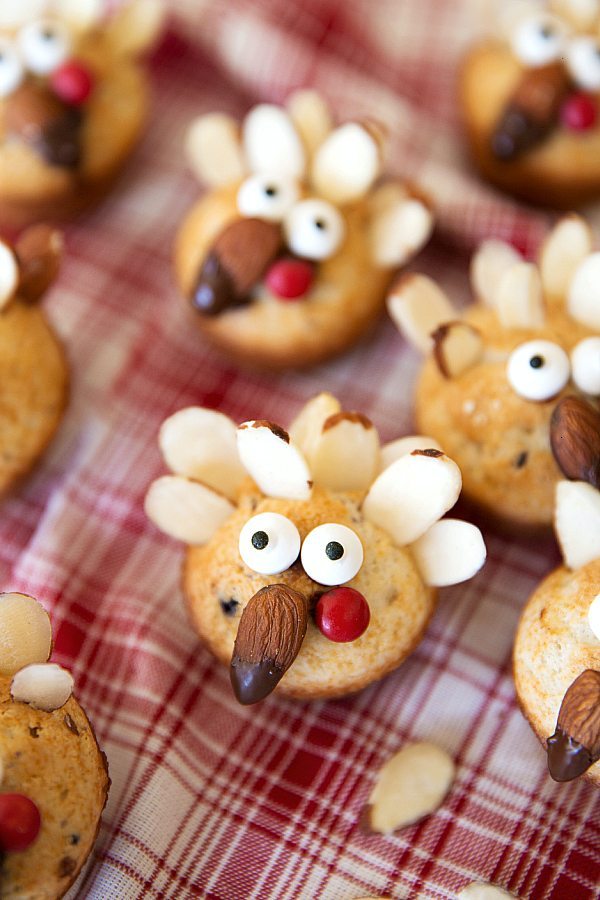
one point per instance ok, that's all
(19, 822)
(579, 112)
(342, 614)
(289, 279)
(72, 83)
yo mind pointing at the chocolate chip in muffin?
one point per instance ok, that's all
(66, 867)
(521, 459)
(34, 731)
(74, 839)
(229, 607)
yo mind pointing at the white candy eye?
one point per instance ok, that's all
(585, 363)
(314, 229)
(583, 58)
(267, 197)
(332, 554)
(269, 543)
(45, 45)
(539, 40)
(11, 70)
(538, 370)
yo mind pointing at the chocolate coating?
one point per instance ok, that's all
(516, 133)
(215, 291)
(253, 682)
(36, 116)
(567, 759)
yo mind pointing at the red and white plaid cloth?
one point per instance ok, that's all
(208, 798)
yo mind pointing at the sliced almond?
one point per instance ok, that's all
(519, 298)
(346, 164)
(457, 347)
(412, 784)
(271, 142)
(580, 13)
(39, 250)
(25, 632)
(346, 455)
(44, 686)
(563, 250)
(488, 265)
(136, 26)
(405, 445)
(479, 891)
(417, 307)
(202, 444)
(577, 522)
(412, 494)
(186, 510)
(311, 116)
(583, 299)
(451, 551)
(594, 617)
(305, 430)
(9, 274)
(213, 149)
(277, 467)
(82, 15)
(399, 232)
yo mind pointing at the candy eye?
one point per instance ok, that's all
(11, 70)
(314, 229)
(583, 59)
(267, 197)
(585, 363)
(538, 370)
(269, 543)
(539, 40)
(332, 554)
(45, 45)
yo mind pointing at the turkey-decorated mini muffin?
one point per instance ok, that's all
(530, 102)
(73, 101)
(34, 375)
(53, 776)
(316, 574)
(493, 377)
(557, 649)
(287, 258)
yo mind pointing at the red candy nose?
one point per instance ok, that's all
(579, 112)
(342, 614)
(289, 279)
(19, 822)
(72, 82)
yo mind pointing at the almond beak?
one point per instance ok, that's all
(40, 119)
(575, 440)
(269, 637)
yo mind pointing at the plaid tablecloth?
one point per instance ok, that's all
(208, 798)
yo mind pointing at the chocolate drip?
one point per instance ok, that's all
(252, 682)
(36, 116)
(567, 759)
(215, 291)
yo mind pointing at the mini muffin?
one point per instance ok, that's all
(286, 260)
(529, 101)
(557, 649)
(33, 370)
(317, 575)
(53, 776)
(73, 102)
(493, 376)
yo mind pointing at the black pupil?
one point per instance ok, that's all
(260, 539)
(546, 32)
(271, 191)
(320, 224)
(334, 550)
(536, 362)
(48, 34)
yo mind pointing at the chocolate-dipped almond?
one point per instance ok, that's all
(575, 745)
(269, 636)
(38, 117)
(575, 440)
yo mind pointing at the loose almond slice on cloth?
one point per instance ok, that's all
(412, 494)
(405, 445)
(492, 259)
(277, 467)
(347, 163)
(213, 149)
(583, 300)
(202, 444)
(457, 346)
(411, 785)
(44, 686)
(563, 250)
(25, 632)
(305, 430)
(346, 455)
(311, 117)
(519, 299)
(479, 891)
(577, 522)
(451, 551)
(9, 274)
(271, 142)
(186, 510)
(418, 306)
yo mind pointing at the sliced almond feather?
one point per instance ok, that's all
(577, 522)
(44, 686)
(583, 301)
(457, 347)
(346, 164)
(403, 446)
(311, 116)
(492, 259)
(449, 552)
(519, 298)
(271, 142)
(305, 430)
(417, 307)
(561, 253)
(214, 151)
(9, 274)
(136, 26)
(276, 465)
(186, 510)
(346, 455)
(399, 231)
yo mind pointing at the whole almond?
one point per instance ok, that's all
(245, 248)
(575, 745)
(270, 634)
(39, 251)
(575, 440)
